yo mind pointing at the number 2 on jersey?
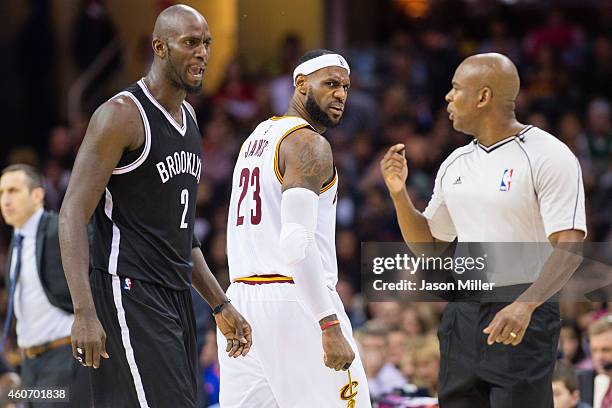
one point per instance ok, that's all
(250, 178)
(185, 202)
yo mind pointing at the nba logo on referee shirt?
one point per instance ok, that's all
(127, 284)
(506, 180)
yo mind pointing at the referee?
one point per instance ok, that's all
(512, 183)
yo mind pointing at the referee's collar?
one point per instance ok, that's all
(520, 135)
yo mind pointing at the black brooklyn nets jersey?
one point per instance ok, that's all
(143, 225)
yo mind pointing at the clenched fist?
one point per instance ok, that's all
(394, 168)
(338, 353)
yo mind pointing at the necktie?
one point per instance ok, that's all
(13, 283)
(606, 402)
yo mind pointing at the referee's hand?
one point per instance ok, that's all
(510, 324)
(88, 339)
(236, 330)
(394, 168)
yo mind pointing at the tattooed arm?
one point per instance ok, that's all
(306, 161)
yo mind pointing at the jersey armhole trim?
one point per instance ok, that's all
(329, 185)
(147, 142)
(277, 171)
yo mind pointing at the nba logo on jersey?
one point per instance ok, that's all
(127, 284)
(506, 180)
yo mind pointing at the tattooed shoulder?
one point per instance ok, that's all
(308, 161)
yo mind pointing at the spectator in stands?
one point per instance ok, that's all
(599, 133)
(570, 343)
(595, 385)
(412, 322)
(352, 305)
(565, 387)
(382, 376)
(236, 95)
(385, 315)
(397, 341)
(281, 87)
(427, 365)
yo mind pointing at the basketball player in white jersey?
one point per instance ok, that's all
(282, 256)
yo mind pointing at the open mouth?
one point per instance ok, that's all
(336, 109)
(196, 71)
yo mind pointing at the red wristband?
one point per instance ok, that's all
(329, 324)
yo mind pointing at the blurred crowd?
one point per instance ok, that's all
(397, 96)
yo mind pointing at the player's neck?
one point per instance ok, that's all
(298, 109)
(492, 131)
(168, 96)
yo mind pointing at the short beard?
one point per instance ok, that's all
(317, 114)
(176, 78)
(192, 90)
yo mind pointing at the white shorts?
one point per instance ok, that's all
(285, 366)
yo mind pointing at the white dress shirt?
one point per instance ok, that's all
(38, 321)
(600, 387)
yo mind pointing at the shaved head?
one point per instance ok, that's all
(171, 21)
(482, 99)
(496, 72)
(181, 43)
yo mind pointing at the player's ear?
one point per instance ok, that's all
(484, 97)
(301, 84)
(159, 48)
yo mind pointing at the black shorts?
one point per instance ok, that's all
(476, 375)
(151, 340)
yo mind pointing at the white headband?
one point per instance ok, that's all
(322, 61)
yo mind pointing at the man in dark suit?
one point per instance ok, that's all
(586, 380)
(38, 292)
(595, 385)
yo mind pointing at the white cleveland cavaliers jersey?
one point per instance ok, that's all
(254, 219)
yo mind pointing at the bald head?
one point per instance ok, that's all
(496, 72)
(482, 99)
(173, 20)
(181, 43)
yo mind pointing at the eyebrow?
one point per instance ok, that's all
(184, 36)
(336, 78)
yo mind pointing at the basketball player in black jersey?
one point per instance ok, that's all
(137, 172)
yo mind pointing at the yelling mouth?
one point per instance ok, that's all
(196, 71)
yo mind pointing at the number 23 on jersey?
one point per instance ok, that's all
(249, 181)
